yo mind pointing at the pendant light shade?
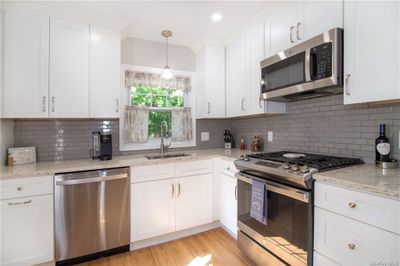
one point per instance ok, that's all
(167, 74)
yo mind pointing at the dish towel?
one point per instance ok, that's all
(258, 201)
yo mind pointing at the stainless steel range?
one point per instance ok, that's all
(284, 236)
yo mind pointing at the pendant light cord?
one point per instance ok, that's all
(166, 50)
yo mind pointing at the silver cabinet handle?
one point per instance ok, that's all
(19, 188)
(298, 31)
(173, 190)
(19, 203)
(290, 34)
(243, 104)
(53, 100)
(236, 192)
(351, 246)
(117, 105)
(179, 190)
(208, 107)
(44, 104)
(346, 84)
(352, 205)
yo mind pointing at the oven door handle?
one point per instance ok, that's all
(308, 65)
(278, 188)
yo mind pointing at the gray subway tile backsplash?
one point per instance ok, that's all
(321, 125)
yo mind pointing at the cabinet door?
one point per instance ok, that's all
(215, 82)
(236, 78)
(27, 230)
(26, 66)
(282, 27)
(69, 69)
(371, 51)
(228, 203)
(105, 61)
(152, 209)
(194, 201)
(319, 17)
(255, 54)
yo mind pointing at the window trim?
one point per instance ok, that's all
(190, 101)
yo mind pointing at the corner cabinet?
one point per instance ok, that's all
(236, 78)
(26, 66)
(243, 76)
(69, 69)
(210, 92)
(372, 51)
(105, 61)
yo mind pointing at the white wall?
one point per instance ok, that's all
(6, 138)
(152, 54)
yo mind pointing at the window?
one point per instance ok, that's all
(160, 101)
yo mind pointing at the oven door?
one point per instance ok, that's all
(288, 231)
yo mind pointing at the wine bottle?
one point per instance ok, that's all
(382, 146)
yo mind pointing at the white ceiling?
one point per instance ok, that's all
(189, 20)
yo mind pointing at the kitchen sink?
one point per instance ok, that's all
(166, 155)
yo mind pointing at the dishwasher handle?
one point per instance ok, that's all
(91, 180)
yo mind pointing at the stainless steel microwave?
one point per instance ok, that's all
(313, 68)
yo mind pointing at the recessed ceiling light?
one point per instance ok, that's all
(216, 17)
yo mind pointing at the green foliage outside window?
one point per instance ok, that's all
(160, 101)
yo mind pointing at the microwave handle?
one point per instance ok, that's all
(280, 189)
(308, 65)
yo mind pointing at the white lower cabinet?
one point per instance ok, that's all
(193, 201)
(170, 203)
(228, 203)
(153, 209)
(354, 228)
(27, 230)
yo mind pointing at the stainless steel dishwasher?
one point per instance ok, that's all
(92, 214)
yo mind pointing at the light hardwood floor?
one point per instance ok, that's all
(215, 247)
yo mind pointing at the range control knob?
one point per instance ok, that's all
(304, 169)
(286, 166)
(295, 168)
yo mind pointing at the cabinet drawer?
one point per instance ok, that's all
(152, 172)
(229, 168)
(349, 242)
(374, 210)
(190, 168)
(25, 187)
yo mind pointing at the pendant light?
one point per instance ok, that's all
(167, 74)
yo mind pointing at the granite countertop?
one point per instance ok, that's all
(50, 168)
(365, 177)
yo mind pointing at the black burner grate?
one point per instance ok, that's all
(318, 161)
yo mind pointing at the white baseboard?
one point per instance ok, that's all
(173, 236)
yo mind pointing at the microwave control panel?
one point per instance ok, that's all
(321, 61)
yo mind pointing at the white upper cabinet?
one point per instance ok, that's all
(69, 69)
(282, 27)
(236, 78)
(210, 67)
(371, 51)
(297, 21)
(255, 54)
(26, 66)
(105, 61)
(319, 17)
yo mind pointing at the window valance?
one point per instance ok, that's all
(151, 80)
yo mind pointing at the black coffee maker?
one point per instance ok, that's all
(102, 145)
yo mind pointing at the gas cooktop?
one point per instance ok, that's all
(317, 161)
(292, 167)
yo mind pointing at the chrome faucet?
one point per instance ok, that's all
(163, 126)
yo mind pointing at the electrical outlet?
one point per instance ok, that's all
(205, 136)
(270, 136)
